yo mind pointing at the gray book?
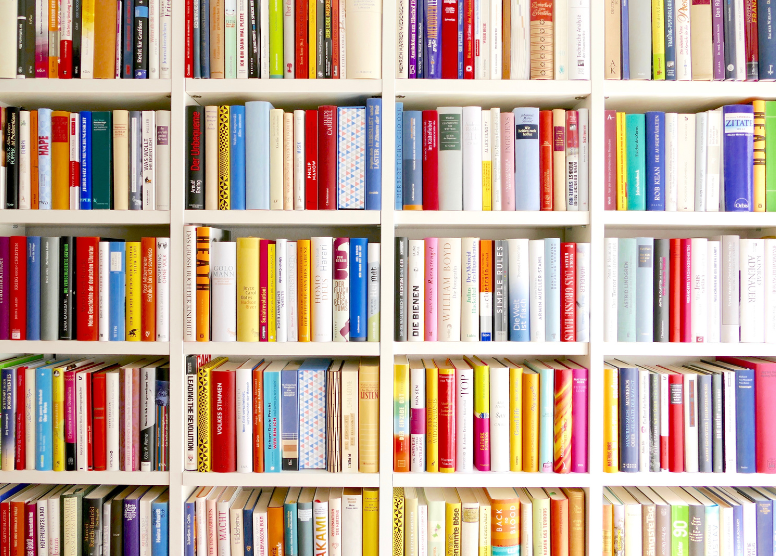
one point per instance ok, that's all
(718, 426)
(660, 284)
(49, 288)
(304, 519)
(500, 291)
(696, 529)
(654, 422)
(400, 295)
(705, 444)
(640, 39)
(643, 289)
(450, 158)
(135, 160)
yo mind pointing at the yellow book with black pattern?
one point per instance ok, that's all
(272, 294)
(224, 159)
(398, 521)
(203, 412)
(133, 292)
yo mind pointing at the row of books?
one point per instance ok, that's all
(292, 39)
(705, 416)
(719, 160)
(703, 42)
(94, 40)
(69, 520)
(259, 157)
(267, 416)
(492, 39)
(84, 288)
(487, 414)
(710, 290)
(465, 289)
(321, 289)
(689, 520)
(494, 520)
(85, 160)
(95, 414)
(236, 521)
(455, 158)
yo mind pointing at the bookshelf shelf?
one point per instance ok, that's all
(132, 94)
(639, 219)
(281, 218)
(85, 348)
(436, 219)
(693, 96)
(490, 348)
(636, 349)
(284, 349)
(88, 477)
(488, 479)
(446, 92)
(687, 479)
(311, 477)
(85, 217)
(294, 93)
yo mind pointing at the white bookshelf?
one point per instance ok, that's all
(593, 226)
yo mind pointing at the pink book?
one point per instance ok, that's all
(430, 317)
(31, 528)
(507, 161)
(579, 410)
(70, 420)
(610, 160)
(686, 291)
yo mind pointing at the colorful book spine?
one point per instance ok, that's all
(563, 420)
(579, 420)
(272, 416)
(447, 437)
(432, 418)
(482, 449)
(417, 418)
(738, 148)
(486, 290)
(401, 417)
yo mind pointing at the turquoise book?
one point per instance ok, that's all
(634, 149)
(257, 164)
(546, 419)
(272, 397)
(626, 290)
(552, 289)
(644, 279)
(290, 527)
(43, 426)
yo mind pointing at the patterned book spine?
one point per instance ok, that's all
(542, 64)
(312, 430)
(351, 157)
(401, 417)
(563, 420)
(224, 159)
(486, 290)
(340, 289)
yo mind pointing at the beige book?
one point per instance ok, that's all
(559, 162)
(120, 159)
(363, 39)
(368, 417)
(350, 417)
(612, 52)
(470, 524)
(486, 519)
(288, 161)
(211, 157)
(217, 39)
(410, 521)
(276, 159)
(701, 42)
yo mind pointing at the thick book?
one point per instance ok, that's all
(224, 447)
(430, 166)
(450, 173)
(327, 158)
(738, 146)
(527, 190)
(312, 431)
(87, 296)
(655, 161)
(195, 159)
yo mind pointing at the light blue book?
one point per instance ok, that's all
(45, 414)
(644, 277)
(527, 189)
(552, 289)
(635, 148)
(374, 153)
(399, 198)
(272, 424)
(546, 414)
(86, 160)
(116, 291)
(237, 154)
(519, 287)
(626, 290)
(160, 509)
(257, 154)
(412, 163)
(290, 527)
(351, 157)
(312, 425)
(44, 158)
(33, 288)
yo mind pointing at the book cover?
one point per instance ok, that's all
(312, 398)
(351, 157)
(527, 158)
(738, 146)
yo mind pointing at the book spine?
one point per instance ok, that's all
(572, 160)
(738, 147)
(568, 317)
(655, 157)
(400, 280)
(447, 424)
(527, 158)
(257, 387)
(133, 292)
(321, 291)
(417, 419)
(579, 420)
(552, 289)
(471, 142)
(464, 410)
(629, 419)
(415, 268)
(644, 293)
(520, 284)
(327, 149)
(500, 291)
(33, 287)
(281, 290)
(486, 290)
(195, 190)
(312, 395)
(289, 421)
(482, 419)
(162, 289)
(676, 424)
(686, 288)
(626, 291)
(373, 292)
(610, 160)
(470, 282)
(660, 281)
(506, 127)
(699, 269)
(412, 163)
(430, 174)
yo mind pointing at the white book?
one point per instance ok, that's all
(54, 544)
(471, 148)
(129, 464)
(770, 291)
(162, 289)
(321, 519)
(242, 38)
(672, 162)
(321, 289)
(8, 40)
(713, 159)
(211, 153)
(664, 425)
(165, 39)
(276, 159)
(731, 318)
(25, 160)
(690, 422)
(352, 522)
(341, 293)
(236, 530)
(552, 287)
(349, 388)
(579, 41)
(112, 416)
(149, 146)
(373, 292)
(41, 521)
(464, 416)
(260, 524)
(415, 286)
(202, 523)
(495, 152)
(119, 44)
(583, 293)
(685, 153)
(470, 288)
(682, 40)
(223, 536)
(2, 189)
(499, 415)
(572, 172)
(518, 278)
(610, 289)
(644, 420)
(402, 36)
(335, 521)
(536, 311)
(264, 38)
(740, 39)
(699, 270)
(749, 521)
(482, 32)
(153, 39)
(30, 416)
(292, 293)
(422, 524)
(223, 291)
(470, 523)
(752, 255)
(521, 39)
(282, 278)
(65, 25)
(526, 522)
(288, 161)
(583, 175)
(146, 534)
(299, 160)
(561, 36)
(449, 288)
(289, 52)
(487, 165)
(162, 160)
(417, 407)
(495, 41)
(189, 284)
(701, 160)
(450, 162)
(714, 291)
(729, 383)
(82, 433)
(244, 414)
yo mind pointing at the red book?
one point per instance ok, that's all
(31, 528)
(65, 58)
(546, 139)
(450, 39)
(87, 288)
(610, 160)
(311, 159)
(430, 160)
(675, 292)
(751, 47)
(148, 289)
(21, 398)
(222, 421)
(302, 70)
(568, 315)
(675, 423)
(468, 39)
(264, 289)
(327, 157)
(686, 289)
(335, 40)
(446, 382)
(17, 528)
(99, 428)
(18, 287)
(189, 39)
(258, 419)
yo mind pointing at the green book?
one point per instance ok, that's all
(102, 160)
(634, 150)
(304, 522)
(290, 525)
(230, 39)
(626, 289)
(770, 156)
(276, 39)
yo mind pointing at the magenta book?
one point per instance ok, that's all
(579, 416)
(430, 280)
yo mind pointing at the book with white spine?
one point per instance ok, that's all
(225, 501)
(740, 39)
(30, 416)
(423, 548)
(701, 160)
(335, 521)
(25, 159)
(288, 161)
(682, 40)
(162, 289)
(487, 165)
(731, 317)
(417, 407)
(276, 159)
(495, 152)
(536, 257)
(282, 278)
(415, 287)
(471, 148)
(148, 135)
(154, 13)
(202, 524)
(713, 159)
(189, 284)
(561, 36)
(690, 422)
(352, 504)
(236, 529)
(464, 416)
(672, 163)
(292, 293)
(685, 156)
(373, 292)
(521, 40)
(343, 59)
(699, 269)
(260, 523)
(341, 291)
(349, 381)
(103, 257)
(481, 37)
(165, 39)
(162, 159)
(449, 285)
(321, 517)
(264, 38)
(82, 434)
(244, 416)
(470, 522)
(579, 40)
(770, 291)
(321, 306)
(470, 288)
(112, 417)
(583, 292)
(495, 42)
(643, 420)
(499, 415)
(552, 287)
(242, 39)
(714, 291)
(752, 268)
(611, 249)
(54, 544)
(729, 383)
(299, 160)
(526, 521)
(223, 291)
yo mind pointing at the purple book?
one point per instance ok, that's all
(132, 521)
(718, 39)
(30, 528)
(738, 146)
(578, 418)
(412, 68)
(5, 290)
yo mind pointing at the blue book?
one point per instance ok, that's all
(644, 292)
(766, 40)
(189, 526)
(670, 41)
(552, 289)
(11, 491)
(519, 286)
(399, 199)
(527, 188)
(196, 38)
(629, 419)
(160, 509)
(141, 39)
(248, 547)
(44, 160)
(289, 419)
(312, 429)
(204, 36)
(257, 164)
(43, 422)
(625, 39)
(358, 290)
(626, 289)
(374, 153)
(432, 62)
(272, 423)
(127, 39)
(634, 147)
(237, 153)
(745, 421)
(764, 520)
(290, 529)
(116, 290)
(656, 160)
(412, 163)
(33, 288)
(461, 5)
(86, 160)
(8, 408)
(738, 149)
(738, 527)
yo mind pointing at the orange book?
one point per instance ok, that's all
(258, 418)
(577, 537)
(60, 160)
(105, 40)
(275, 521)
(559, 520)
(148, 285)
(203, 284)
(34, 201)
(505, 517)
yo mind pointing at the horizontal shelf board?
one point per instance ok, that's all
(659, 219)
(75, 347)
(306, 218)
(490, 348)
(674, 349)
(102, 94)
(311, 477)
(488, 93)
(286, 93)
(485, 479)
(638, 96)
(87, 477)
(485, 219)
(687, 479)
(85, 217)
(284, 349)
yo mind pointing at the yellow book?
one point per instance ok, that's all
(759, 155)
(485, 547)
(410, 521)
(622, 168)
(224, 159)
(481, 413)
(303, 286)
(203, 412)
(487, 164)
(133, 289)
(87, 39)
(515, 416)
(58, 416)
(369, 516)
(452, 523)
(658, 41)
(247, 289)
(530, 421)
(401, 414)
(271, 297)
(611, 427)
(311, 36)
(398, 521)
(368, 415)
(432, 418)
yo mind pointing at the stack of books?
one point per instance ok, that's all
(265, 416)
(458, 415)
(451, 289)
(689, 520)
(705, 290)
(259, 157)
(85, 160)
(232, 521)
(95, 414)
(500, 520)
(321, 289)
(706, 416)
(720, 160)
(455, 158)
(84, 288)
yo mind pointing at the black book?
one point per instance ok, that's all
(253, 39)
(29, 39)
(11, 157)
(141, 39)
(147, 418)
(21, 29)
(195, 157)
(400, 297)
(67, 289)
(77, 27)
(93, 504)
